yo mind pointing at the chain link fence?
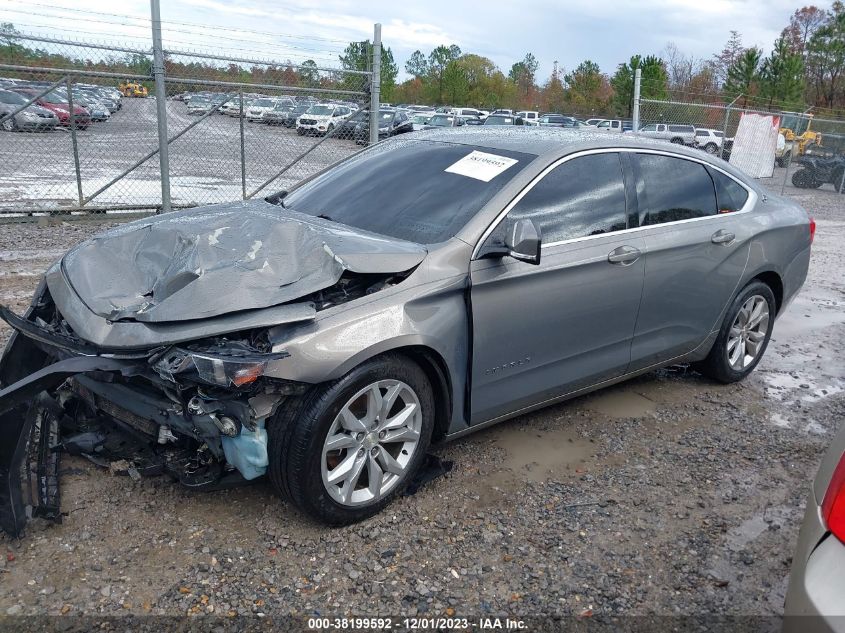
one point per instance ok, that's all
(787, 151)
(80, 126)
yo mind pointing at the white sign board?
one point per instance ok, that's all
(755, 143)
(481, 166)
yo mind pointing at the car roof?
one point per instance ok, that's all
(552, 142)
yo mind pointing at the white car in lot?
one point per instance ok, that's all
(322, 118)
(233, 107)
(257, 108)
(709, 140)
(529, 117)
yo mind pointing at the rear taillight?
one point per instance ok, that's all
(812, 230)
(833, 505)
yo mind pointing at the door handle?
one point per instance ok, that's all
(722, 237)
(624, 255)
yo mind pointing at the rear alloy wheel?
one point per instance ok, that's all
(711, 148)
(349, 447)
(744, 335)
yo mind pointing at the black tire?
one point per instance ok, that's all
(300, 131)
(297, 433)
(711, 148)
(716, 365)
(10, 125)
(837, 179)
(804, 179)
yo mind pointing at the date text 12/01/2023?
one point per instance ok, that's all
(415, 624)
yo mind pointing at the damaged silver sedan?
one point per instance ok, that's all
(419, 290)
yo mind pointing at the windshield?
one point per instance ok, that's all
(421, 118)
(12, 98)
(385, 117)
(321, 110)
(54, 98)
(420, 201)
(263, 103)
(282, 107)
(441, 120)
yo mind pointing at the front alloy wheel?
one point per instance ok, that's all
(346, 448)
(371, 443)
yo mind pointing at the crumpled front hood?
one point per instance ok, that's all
(215, 260)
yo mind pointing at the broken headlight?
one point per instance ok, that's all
(210, 368)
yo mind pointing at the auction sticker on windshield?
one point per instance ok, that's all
(481, 165)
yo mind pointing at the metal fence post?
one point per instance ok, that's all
(243, 145)
(73, 141)
(375, 85)
(161, 105)
(638, 77)
(725, 127)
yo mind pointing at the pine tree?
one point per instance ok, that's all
(743, 76)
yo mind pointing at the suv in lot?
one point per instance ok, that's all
(709, 140)
(322, 118)
(672, 132)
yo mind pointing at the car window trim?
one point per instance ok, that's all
(749, 203)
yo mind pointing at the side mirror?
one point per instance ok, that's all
(523, 241)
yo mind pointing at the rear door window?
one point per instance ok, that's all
(671, 189)
(730, 195)
(581, 197)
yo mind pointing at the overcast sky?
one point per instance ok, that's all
(568, 31)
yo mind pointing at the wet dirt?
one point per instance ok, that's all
(667, 494)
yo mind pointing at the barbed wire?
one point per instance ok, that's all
(180, 23)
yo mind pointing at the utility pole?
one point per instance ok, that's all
(638, 77)
(161, 105)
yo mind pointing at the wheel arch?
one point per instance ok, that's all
(772, 280)
(430, 360)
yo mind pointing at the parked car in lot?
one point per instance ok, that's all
(232, 107)
(322, 119)
(390, 123)
(469, 112)
(59, 106)
(33, 118)
(503, 119)
(96, 110)
(420, 120)
(529, 117)
(672, 132)
(614, 125)
(278, 114)
(346, 129)
(593, 122)
(444, 120)
(259, 107)
(329, 334)
(199, 105)
(814, 597)
(290, 118)
(709, 140)
(557, 120)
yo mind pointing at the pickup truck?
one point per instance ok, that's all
(614, 125)
(672, 132)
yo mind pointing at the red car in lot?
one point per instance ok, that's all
(59, 105)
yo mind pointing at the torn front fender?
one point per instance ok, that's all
(18, 403)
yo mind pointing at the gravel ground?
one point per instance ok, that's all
(668, 494)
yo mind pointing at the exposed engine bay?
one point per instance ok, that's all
(197, 411)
